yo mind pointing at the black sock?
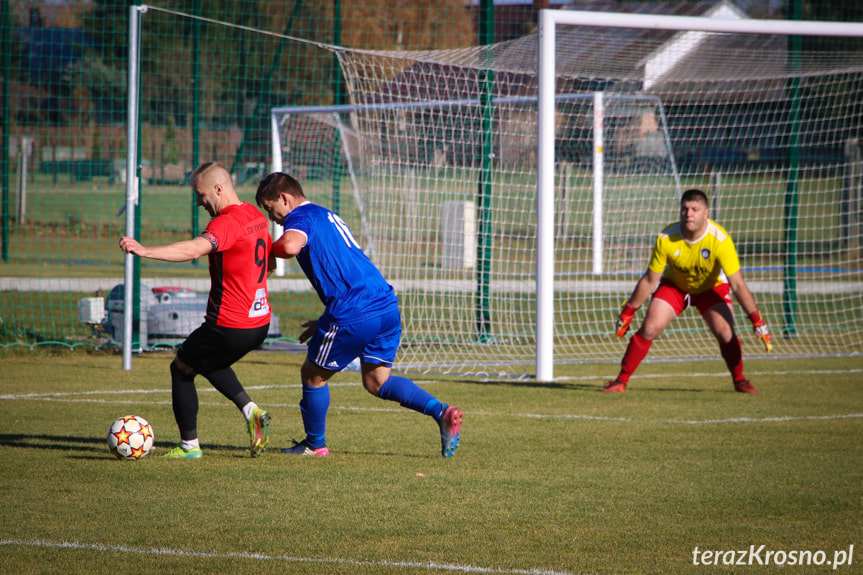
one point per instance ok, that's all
(184, 400)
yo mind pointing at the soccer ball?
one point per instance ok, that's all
(130, 437)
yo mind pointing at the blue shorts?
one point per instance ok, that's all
(374, 340)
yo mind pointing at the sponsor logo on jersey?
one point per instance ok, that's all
(257, 227)
(676, 253)
(260, 307)
(333, 364)
(695, 270)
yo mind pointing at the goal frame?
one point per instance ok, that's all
(547, 77)
(545, 183)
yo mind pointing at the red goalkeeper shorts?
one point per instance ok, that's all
(679, 300)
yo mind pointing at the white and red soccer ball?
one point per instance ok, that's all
(130, 437)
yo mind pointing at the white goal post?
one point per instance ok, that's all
(549, 21)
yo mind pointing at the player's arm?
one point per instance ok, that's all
(645, 286)
(271, 262)
(307, 334)
(181, 251)
(289, 245)
(747, 302)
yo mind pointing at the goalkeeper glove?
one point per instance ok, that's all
(761, 331)
(624, 320)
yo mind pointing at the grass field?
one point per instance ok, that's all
(550, 478)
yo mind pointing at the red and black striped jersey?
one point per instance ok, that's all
(238, 267)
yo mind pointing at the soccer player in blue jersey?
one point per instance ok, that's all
(361, 316)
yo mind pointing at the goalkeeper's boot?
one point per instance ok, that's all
(614, 386)
(259, 434)
(450, 430)
(743, 386)
(179, 453)
(303, 448)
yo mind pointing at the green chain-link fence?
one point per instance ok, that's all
(210, 73)
(207, 83)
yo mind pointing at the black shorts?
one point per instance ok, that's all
(212, 347)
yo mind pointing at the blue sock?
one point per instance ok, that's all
(313, 408)
(412, 396)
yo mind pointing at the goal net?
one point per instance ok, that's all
(456, 235)
(444, 183)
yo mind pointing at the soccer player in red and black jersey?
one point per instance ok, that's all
(237, 242)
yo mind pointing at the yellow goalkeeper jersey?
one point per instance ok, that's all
(698, 266)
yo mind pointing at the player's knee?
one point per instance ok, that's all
(724, 337)
(178, 366)
(372, 380)
(374, 377)
(373, 386)
(649, 334)
(722, 331)
(314, 376)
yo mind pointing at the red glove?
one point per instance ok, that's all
(761, 331)
(625, 319)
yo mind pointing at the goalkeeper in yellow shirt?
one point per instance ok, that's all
(695, 263)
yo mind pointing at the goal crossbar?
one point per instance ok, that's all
(433, 104)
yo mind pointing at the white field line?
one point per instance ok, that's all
(87, 397)
(266, 557)
(525, 286)
(423, 382)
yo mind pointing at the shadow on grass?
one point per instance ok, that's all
(408, 456)
(573, 386)
(523, 383)
(92, 444)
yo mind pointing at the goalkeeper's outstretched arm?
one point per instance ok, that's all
(645, 286)
(747, 302)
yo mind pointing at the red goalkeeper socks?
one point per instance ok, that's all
(635, 352)
(733, 356)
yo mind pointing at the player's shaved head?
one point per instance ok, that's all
(212, 185)
(210, 174)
